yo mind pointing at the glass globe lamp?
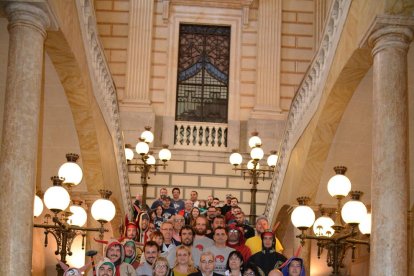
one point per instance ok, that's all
(150, 160)
(38, 206)
(142, 148)
(322, 225)
(272, 159)
(165, 154)
(129, 153)
(339, 185)
(354, 211)
(257, 153)
(71, 172)
(103, 210)
(255, 140)
(303, 216)
(56, 198)
(235, 158)
(250, 165)
(78, 217)
(365, 225)
(147, 135)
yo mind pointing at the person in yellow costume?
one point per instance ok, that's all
(255, 243)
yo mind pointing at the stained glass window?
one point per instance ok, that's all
(203, 73)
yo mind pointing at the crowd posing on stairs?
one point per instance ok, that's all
(193, 237)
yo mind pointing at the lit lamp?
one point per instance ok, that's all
(57, 199)
(146, 161)
(328, 232)
(253, 168)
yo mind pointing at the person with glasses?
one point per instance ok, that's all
(161, 267)
(234, 264)
(251, 269)
(236, 241)
(178, 223)
(206, 267)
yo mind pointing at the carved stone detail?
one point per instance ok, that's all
(308, 96)
(105, 91)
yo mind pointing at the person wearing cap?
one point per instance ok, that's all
(255, 243)
(105, 268)
(226, 207)
(268, 259)
(236, 241)
(167, 210)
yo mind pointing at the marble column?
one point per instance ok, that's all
(389, 190)
(27, 28)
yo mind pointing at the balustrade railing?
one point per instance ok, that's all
(200, 136)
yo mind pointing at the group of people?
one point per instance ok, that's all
(177, 237)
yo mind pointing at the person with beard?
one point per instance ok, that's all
(211, 213)
(187, 237)
(115, 253)
(151, 251)
(268, 259)
(201, 241)
(243, 223)
(130, 230)
(236, 241)
(218, 221)
(143, 223)
(105, 268)
(131, 253)
(167, 210)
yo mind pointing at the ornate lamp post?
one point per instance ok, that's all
(253, 169)
(66, 227)
(146, 162)
(332, 235)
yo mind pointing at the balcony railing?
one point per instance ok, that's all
(200, 136)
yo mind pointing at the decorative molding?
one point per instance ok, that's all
(104, 91)
(307, 98)
(243, 5)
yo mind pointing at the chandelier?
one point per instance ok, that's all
(332, 235)
(253, 170)
(69, 216)
(146, 162)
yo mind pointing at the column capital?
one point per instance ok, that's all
(389, 31)
(38, 15)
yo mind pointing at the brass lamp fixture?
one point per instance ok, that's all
(253, 170)
(332, 235)
(68, 219)
(146, 162)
